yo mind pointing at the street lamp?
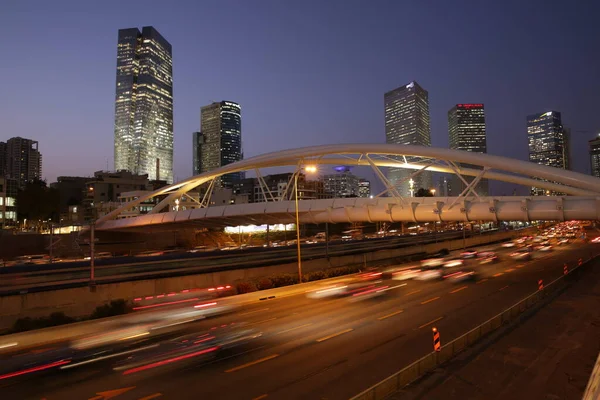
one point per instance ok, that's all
(432, 192)
(310, 169)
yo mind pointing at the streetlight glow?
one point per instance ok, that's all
(311, 169)
(432, 191)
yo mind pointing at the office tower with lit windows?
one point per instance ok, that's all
(144, 104)
(466, 129)
(364, 188)
(196, 146)
(595, 156)
(548, 144)
(220, 140)
(21, 160)
(407, 122)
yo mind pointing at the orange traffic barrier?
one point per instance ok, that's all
(565, 269)
(437, 345)
(540, 284)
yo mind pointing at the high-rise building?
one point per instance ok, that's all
(364, 188)
(220, 140)
(196, 154)
(3, 159)
(341, 184)
(444, 186)
(407, 122)
(547, 143)
(466, 128)
(144, 104)
(595, 156)
(22, 160)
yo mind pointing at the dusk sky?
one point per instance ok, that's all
(304, 72)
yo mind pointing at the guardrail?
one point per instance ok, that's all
(432, 360)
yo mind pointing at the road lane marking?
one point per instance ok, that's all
(390, 315)
(251, 363)
(413, 292)
(152, 396)
(481, 281)
(262, 396)
(111, 393)
(396, 287)
(430, 300)
(430, 322)
(521, 265)
(459, 289)
(255, 311)
(503, 288)
(509, 270)
(498, 274)
(294, 328)
(334, 335)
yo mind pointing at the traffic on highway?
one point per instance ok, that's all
(331, 341)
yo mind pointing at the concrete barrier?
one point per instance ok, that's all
(81, 301)
(432, 360)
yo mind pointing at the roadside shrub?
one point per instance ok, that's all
(115, 307)
(264, 283)
(284, 280)
(245, 287)
(27, 324)
(314, 276)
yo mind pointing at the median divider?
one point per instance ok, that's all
(434, 359)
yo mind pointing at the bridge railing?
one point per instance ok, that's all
(432, 360)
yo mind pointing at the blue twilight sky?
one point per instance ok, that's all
(305, 72)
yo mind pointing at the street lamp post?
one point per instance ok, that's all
(310, 169)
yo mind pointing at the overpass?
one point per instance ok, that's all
(581, 198)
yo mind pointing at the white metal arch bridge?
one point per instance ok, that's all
(581, 199)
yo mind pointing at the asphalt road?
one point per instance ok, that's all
(62, 275)
(319, 349)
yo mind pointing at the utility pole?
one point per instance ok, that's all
(92, 255)
(51, 241)
(327, 240)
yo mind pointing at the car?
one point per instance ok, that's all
(487, 257)
(405, 274)
(453, 262)
(522, 254)
(429, 274)
(595, 240)
(508, 244)
(469, 254)
(461, 276)
(544, 248)
(432, 262)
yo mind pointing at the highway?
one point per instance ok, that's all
(317, 349)
(62, 275)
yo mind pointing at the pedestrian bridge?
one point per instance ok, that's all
(581, 199)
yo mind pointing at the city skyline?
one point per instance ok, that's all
(339, 113)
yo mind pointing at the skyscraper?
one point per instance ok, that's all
(144, 104)
(407, 122)
(196, 154)
(364, 187)
(595, 156)
(220, 139)
(23, 161)
(466, 128)
(547, 143)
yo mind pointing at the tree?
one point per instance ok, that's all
(37, 202)
(423, 193)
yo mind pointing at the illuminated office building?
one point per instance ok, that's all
(466, 128)
(548, 143)
(21, 160)
(364, 188)
(407, 122)
(595, 156)
(220, 140)
(144, 104)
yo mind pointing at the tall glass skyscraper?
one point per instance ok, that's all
(595, 156)
(220, 141)
(407, 122)
(144, 104)
(466, 128)
(548, 143)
